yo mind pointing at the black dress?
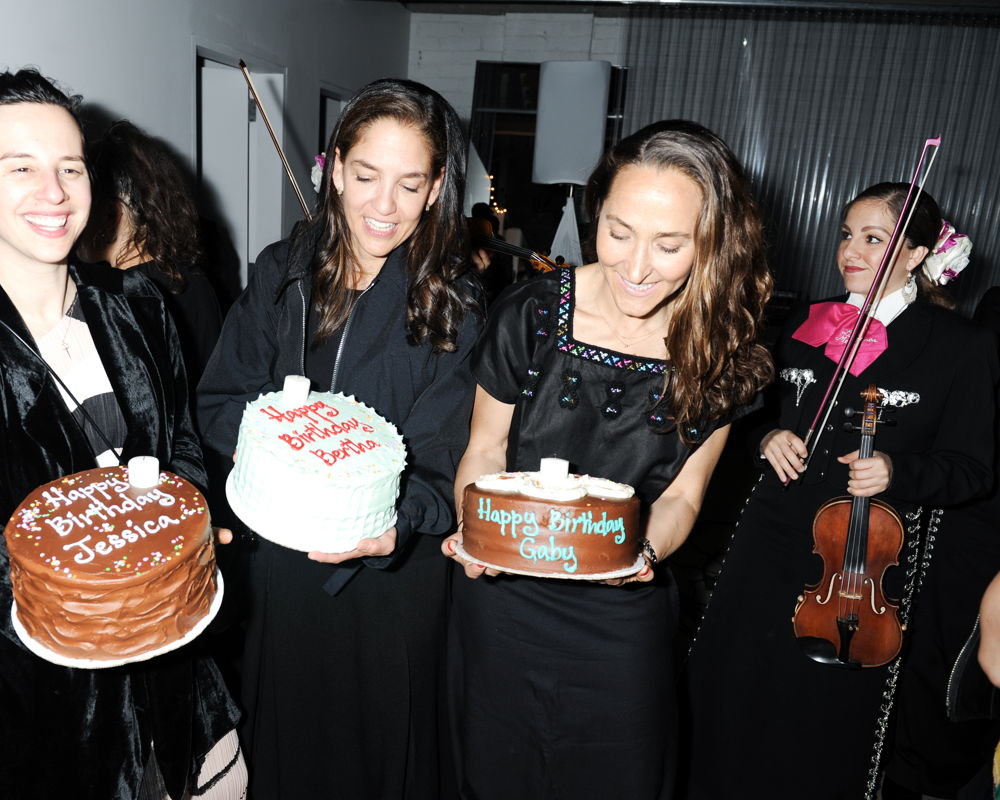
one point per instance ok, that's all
(764, 714)
(343, 663)
(563, 689)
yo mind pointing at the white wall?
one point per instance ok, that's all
(444, 48)
(136, 58)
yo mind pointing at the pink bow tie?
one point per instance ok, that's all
(831, 324)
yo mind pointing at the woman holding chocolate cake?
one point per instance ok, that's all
(370, 299)
(92, 375)
(629, 368)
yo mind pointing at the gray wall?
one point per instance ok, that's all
(444, 47)
(136, 58)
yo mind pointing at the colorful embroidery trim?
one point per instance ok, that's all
(587, 352)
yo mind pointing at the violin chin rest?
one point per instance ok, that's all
(823, 652)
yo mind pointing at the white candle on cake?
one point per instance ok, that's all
(144, 472)
(295, 392)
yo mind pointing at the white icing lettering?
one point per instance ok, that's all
(86, 556)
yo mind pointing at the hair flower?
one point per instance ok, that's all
(319, 164)
(950, 256)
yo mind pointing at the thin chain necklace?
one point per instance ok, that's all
(67, 317)
(626, 341)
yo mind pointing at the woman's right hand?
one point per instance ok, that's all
(450, 548)
(785, 452)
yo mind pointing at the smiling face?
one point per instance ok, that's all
(387, 183)
(44, 188)
(864, 235)
(645, 237)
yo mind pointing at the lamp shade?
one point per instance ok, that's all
(572, 115)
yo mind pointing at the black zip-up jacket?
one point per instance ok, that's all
(427, 396)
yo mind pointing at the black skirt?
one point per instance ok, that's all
(563, 689)
(341, 691)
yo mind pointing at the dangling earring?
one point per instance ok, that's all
(427, 207)
(340, 192)
(910, 289)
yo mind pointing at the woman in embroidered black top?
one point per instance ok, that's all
(766, 717)
(629, 368)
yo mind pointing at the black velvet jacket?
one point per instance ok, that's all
(427, 396)
(81, 733)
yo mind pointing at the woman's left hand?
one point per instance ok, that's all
(472, 570)
(379, 546)
(869, 476)
(644, 575)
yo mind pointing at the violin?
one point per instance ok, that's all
(482, 237)
(845, 620)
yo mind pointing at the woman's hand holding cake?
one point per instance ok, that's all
(381, 545)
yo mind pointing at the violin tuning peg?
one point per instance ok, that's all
(888, 423)
(851, 412)
(850, 426)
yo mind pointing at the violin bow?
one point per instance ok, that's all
(274, 140)
(539, 262)
(867, 311)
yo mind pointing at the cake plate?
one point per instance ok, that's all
(573, 576)
(42, 651)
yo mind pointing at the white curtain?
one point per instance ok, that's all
(820, 104)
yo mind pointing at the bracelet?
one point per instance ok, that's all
(648, 552)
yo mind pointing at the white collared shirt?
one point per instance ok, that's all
(888, 308)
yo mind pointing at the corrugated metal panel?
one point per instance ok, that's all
(820, 105)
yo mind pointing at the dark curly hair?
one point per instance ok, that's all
(923, 230)
(437, 249)
(138, 176)
(717, 362)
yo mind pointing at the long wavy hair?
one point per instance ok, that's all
(923, 230)
(138, 181)
(716, 360)
(438, 247)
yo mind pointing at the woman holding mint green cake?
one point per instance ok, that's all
(629, 368)
(344, 650)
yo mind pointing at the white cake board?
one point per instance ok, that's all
(573, 576)
(277, 527)
(41, 651)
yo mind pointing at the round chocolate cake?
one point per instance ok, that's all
(103, 570)
(551, 523)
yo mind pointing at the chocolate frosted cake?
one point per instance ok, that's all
(551, 523)
(102, 570)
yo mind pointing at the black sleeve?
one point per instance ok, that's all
(436, 432)
(959, 465)
(503, 353)
(184, 456)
